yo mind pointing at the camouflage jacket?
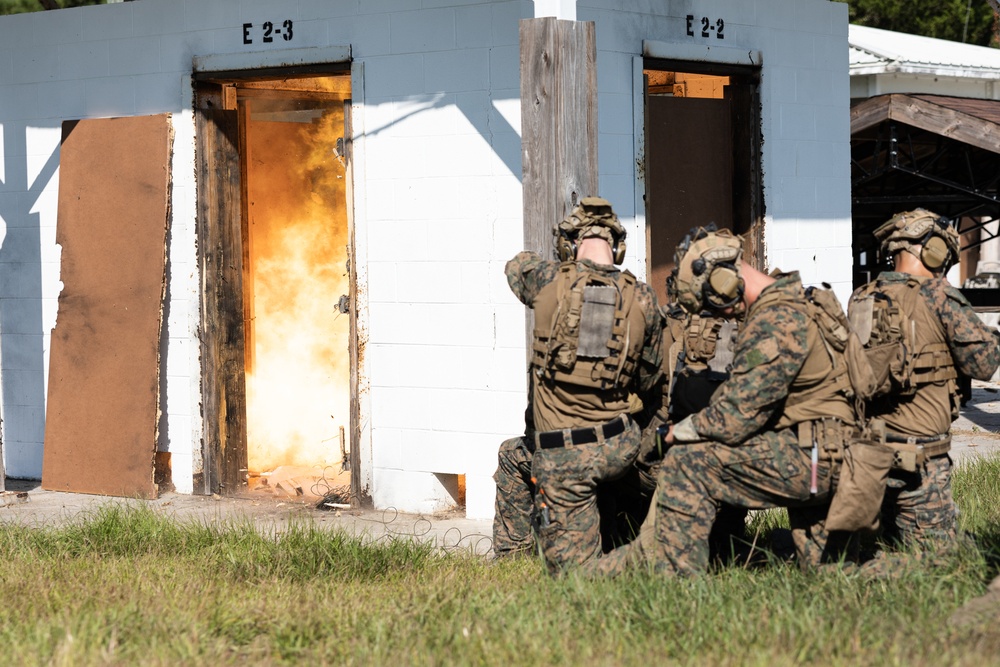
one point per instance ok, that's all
(527, 274)
(975, 351)
(770, 350)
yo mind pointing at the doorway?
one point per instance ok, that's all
(275, 243)
(702, 158)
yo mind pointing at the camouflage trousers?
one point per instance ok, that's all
(515, 499)
(919, 514)
(918, 508)
(695, 480)
(567, 481)
(622, 502)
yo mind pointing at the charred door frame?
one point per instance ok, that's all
(748, 196)
(221, 237)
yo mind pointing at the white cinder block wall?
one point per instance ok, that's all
(437, 191)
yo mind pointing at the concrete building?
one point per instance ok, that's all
(241, 236)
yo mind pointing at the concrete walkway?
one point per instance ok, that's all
(977, 430)
(975, 433)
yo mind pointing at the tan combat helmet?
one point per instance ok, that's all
(593, 216)
(937, 239)
(708, 271)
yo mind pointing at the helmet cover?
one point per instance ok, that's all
(920, 227)
(593, 216)
(708, 263)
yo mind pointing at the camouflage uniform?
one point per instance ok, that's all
(515, 498)
(740, 450)
(567, 475)
(918, 506)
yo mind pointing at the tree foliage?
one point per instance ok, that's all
(22, 6)
(969, 21)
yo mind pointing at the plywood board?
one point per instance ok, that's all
(101, 421)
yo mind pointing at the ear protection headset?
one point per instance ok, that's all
(935, 253)
(938, 241)
(723, 287)
(618, 249)
(708, 273)
(566, 247)
(591, 212)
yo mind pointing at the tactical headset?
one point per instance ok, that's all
(566, 247)
(935, 253)
(590, 212)
(708, 272)
(938, 240)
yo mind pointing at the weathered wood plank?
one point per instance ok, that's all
(223, 338)
(946, 122)
(937, 116)
(558, 123)
(869, 113)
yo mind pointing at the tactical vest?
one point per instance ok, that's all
(700, 363)
(905, 341)
(588, 330)
(821, 388)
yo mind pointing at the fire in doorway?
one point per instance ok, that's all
(295, 269)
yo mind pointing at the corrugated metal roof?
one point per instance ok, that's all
(875, 51)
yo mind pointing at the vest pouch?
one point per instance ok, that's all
(864, 475)
(597, 321)
(880, 360)
(567, 331)
(829, 316)
(701, 338)
(864, 380)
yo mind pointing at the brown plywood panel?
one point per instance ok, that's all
(689, 178)
(101, 421)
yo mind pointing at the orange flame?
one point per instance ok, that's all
(298, 370)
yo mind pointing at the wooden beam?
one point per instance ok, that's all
(946, 122)
(558, 123)
(927, 115)
(869, 113)
(220, 257)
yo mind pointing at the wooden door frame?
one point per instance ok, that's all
(221, 236)
(750, 221)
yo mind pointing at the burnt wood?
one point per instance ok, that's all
(558, 123)
(220, 256)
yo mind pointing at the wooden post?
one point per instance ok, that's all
(558, 123)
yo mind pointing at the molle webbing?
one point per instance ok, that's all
(925, 356)
(830, 436)
(556, 346)
(933, 363)
(911, 453)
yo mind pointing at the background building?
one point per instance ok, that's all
(238, 237)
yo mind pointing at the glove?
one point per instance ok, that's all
(651, 447)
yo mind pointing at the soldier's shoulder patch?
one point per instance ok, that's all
(763, 353)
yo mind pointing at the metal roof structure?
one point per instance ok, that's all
(925, 131)
(876, 51)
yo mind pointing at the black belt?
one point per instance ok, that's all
(582, 436)
(916, 440)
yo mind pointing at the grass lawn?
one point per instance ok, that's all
(125, 587)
